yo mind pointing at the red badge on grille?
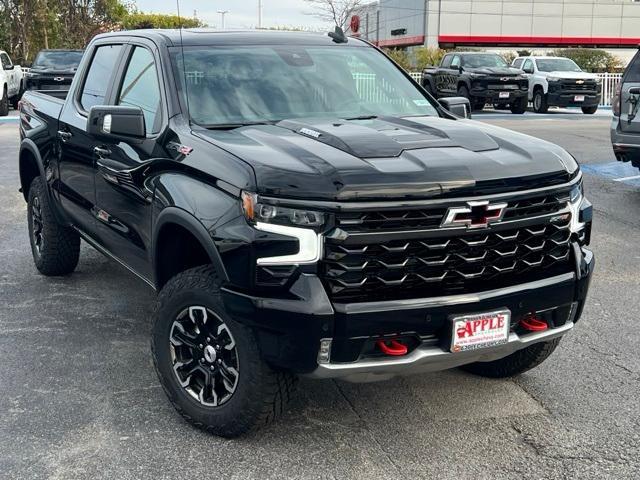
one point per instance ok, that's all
(474, 215)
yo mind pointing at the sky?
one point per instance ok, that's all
(242, 13)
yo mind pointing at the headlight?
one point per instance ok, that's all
(260, 212)
(575, 200)
(290, 222)
(598, 80)
(553, 79)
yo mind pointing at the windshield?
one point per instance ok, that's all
(557, 65)
(240, 85)
(484, 60)
(63, 60)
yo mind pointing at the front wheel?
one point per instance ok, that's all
(209, 365)
(590, 110)
(516, 363)
(540, 104)
(519, 106)
(4, 103)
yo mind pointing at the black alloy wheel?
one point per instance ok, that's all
(37, 227)
(204, 356)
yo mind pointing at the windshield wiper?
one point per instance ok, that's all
(231, 126)
(363, 117)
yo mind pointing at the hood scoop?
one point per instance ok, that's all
(385, 137)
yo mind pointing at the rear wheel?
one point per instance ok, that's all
(55, 248)
(4, 103)
(519, 106)
(516, 363)
(210, 365)
(540, 104)
(590, 110)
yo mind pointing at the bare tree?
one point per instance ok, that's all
(336, 11)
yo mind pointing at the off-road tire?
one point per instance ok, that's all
(4, 103)
(540, 104)
(59, 248)
(478, 105)
(519, 106)
(590, 110)
(463, 91)
(516, 363)
(261, 393)
(427, 86)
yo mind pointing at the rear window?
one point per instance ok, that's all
(632, 74)
(58, 60)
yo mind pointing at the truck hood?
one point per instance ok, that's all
(388, 157)
(572, 75)
(508, 71)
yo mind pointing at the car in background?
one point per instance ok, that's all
(481, 77)
(559, 81)
(53, 69)
(625, 126)
(11, 84)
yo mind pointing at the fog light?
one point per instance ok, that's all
(324, 354)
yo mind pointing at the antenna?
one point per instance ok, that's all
(184, 66)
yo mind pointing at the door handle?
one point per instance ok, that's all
(64, 135)
(102, 152)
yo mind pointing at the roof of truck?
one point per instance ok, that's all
(202, 36)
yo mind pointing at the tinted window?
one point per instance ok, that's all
(455, 63)
(446, 61)
(484, 60)
(140, 87)
(5, 60)
(632, 74)
(528, 66)
(97, 80)
(557, 65)
(518, 62)
(60, 60)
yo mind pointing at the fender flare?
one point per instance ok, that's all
(178, 216)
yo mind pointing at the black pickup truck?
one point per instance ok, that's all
(53, 69)
(297, 220)
(481, 77)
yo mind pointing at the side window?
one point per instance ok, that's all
(97, 80)
(632, 74)
(446, 62)
(518, 62)
(6, 62)
(528, 66)
(455, 63)
(140, 88)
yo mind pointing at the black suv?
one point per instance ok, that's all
(303, 207)
(53, 69)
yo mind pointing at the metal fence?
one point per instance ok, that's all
(609, 83)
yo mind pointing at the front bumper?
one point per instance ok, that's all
(626, 146)
(290, 330)
(567, 99)
(493, 96)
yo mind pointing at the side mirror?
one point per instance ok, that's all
(634, 91)
(527, 70)
(9, 67)
(116, 122)
(458, 106)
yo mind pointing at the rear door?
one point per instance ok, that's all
(630, 102)
(123, 201)
(77, 162)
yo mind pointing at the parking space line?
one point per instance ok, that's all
(632, 177)
(616, 171)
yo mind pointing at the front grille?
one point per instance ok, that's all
(587, 86)
(444, 262)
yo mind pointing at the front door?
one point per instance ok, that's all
(76, 164)
(123, 199)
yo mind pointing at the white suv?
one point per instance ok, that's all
(11, 83)
(558, 81)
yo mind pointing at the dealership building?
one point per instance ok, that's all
(610, 24)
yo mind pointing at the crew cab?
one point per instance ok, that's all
(53, 69)
(625, 124)
(11, 84)
(294, 222)
(560, 82)
(481, 77)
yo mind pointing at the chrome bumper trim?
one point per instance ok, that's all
(431, 359)
(414, 303)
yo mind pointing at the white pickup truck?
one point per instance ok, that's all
(11, 84)
(558, 81)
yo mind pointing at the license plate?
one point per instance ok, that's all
(578, 98)
(503, 95)
(480, 330)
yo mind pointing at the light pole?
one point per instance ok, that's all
(259, 14)
(222, 14)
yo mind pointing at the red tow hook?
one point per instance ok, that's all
(395, 348)
(533, 324)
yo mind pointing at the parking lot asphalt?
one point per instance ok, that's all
(79, 397)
